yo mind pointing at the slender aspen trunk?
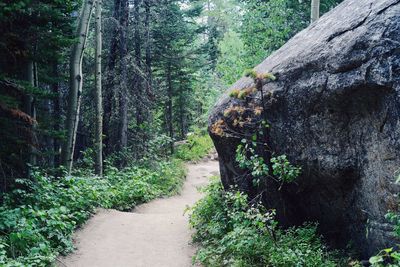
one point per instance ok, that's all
(76, 82)
(314, 10)
(98, 98)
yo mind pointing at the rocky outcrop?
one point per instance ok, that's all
(334, 110)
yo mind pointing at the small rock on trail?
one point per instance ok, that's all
(155, 234)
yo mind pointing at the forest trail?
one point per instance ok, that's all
(155, 234)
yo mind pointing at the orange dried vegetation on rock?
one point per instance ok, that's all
(218, 127)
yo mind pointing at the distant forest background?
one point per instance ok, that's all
(164, 64)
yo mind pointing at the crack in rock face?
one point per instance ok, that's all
(334, 110)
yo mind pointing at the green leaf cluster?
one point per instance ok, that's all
(248, 159)
(285, 171)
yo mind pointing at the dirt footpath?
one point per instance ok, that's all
(155, 234)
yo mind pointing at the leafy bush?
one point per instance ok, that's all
(284, 170)
(232, 232)
(38, 219)
(389, 256)
(198, 146)
(248, 159)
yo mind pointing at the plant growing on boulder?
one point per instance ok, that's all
(250, 73)
(248, 158)
(260, 76)
(259, 80)
(282, 169)
(234, 93)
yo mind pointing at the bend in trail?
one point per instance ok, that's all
(155, 234)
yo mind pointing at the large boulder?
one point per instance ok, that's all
(334, 110)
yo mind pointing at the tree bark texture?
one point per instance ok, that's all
(98, 97)
(76, 82)
(315, 10)
(123, 108)
(109, 90)
(169, 114)
(149, 82)
(138, 76)
(56, 114)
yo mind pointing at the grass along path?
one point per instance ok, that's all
(154, 234)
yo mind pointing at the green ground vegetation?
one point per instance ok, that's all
(38, 218)
(233, 232)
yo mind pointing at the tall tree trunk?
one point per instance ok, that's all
(76, 82)
(182, 118)
(56, 115)
(30, 78)
(149, 83)
(98, 98)
(29, 108)
(314, 10)
(123, 109)
(110, 85)
(49, 139)
(138, 78)
(169, 121)
(182, 111)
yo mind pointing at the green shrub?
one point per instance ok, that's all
(38, 219)
(231, 232)
(389, 256)
(198, 146)
(248, 159)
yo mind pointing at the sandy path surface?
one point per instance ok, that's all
(155, 234)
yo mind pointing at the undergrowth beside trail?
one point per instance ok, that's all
(38, 218)
(197, 146)
(232, 232)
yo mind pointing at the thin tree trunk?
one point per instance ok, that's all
(169, 121)
(182, 117)
(148, 49)
(76, 82)
(29, 108)
(110, 86)
(123, 130)
(182, 110)
(138, 79)
(30, 78)
(49, 139)
(56, 115)
(314, 10)
(98, 98)
(33, 114)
